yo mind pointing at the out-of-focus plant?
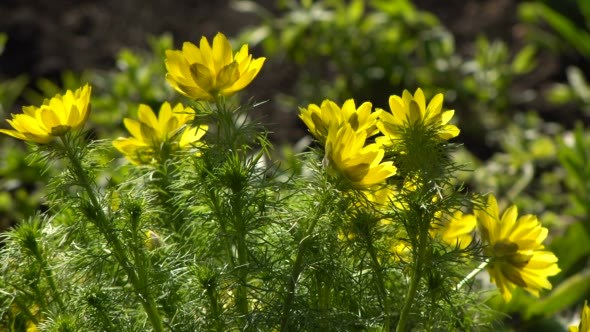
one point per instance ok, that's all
(359, 48)
(10, 89)
(565, 33)
(573, 32)
(364, 49)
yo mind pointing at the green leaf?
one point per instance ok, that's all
(524, 61)
(567, 293)
(572, 246)
(356, 10)
(578, 82)
(577, 38)
(560, 94)
(3, 39)
(584, 6)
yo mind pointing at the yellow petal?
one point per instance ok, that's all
(190, 52)
(222, 52)
(146, 116)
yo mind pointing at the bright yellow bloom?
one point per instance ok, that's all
(584, 322)
(457, 230)
(346, 153)
(319, 119)
(151, 132)
(205, 72)
(412, 109)
(514, 250)
(56, 117)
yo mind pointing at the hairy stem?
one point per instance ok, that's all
(52, 285)
(418, 257)
(298, 265)
(377, 268)
(102, 223)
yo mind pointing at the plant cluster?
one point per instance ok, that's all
(202, 230)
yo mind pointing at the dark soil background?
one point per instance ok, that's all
(47, 37)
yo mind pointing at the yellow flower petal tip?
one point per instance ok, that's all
(320, 118)
(207, 71)
(411, 109)
(152, 134)
(514, 250)
(584, 325)
(361, 165)
(56, 117)
(153, 240)
(456, 232)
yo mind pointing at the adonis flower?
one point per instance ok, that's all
(457, 230)
(514, 248)
(205, 72)
(584, 325)
(346, 152)
(56, 117)
(411, 109)
(319, 118)
(150, 132)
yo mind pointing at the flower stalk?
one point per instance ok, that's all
(101, 221)
(418, 256)
(472, 274)
(383, 294)
(297, 269)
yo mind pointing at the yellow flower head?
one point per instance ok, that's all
(205, 72)
(319, 119)
(150, 132)
(411, 109)
(56, 117)
(584, 320)
(514, 250)
(153, 240)
(457, 230)
(346, 153)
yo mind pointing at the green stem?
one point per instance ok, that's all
(472, 274)
(418, 257)
(226, 134)
(26, 311)
(242, 294)
(377, 268)
(297, 269)
(214, 304)
(52, 285)
(298, 266)
(102, 223)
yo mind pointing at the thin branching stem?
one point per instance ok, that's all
(378, 269)
(417, 268)
(102, 223)
(298, 265)
(52, 284)
(472, 274)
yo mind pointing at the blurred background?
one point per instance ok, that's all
(516, 74)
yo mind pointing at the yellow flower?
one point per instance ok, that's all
(205, 72)
(346, 153)
(584, 322)
(56, 117)
(319, 119)
(514, 250)
(153, 240)
(151, 132)
(412, 109)
(457, 230)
